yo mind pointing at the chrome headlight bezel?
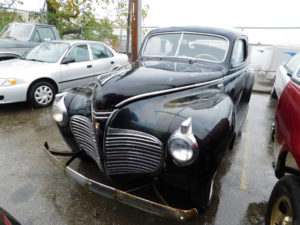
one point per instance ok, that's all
(7, 82)
(59, 110)
(185, 135)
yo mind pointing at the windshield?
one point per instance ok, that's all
(17, 31)
(47, 52)
(189, 45)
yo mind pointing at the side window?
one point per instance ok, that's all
(36, 37)
(100, 51)
(45, 33)
(293, 64)
(239, 53)
(80, 53)
(298, 73)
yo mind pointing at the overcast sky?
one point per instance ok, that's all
(220, 13)
(228, 13)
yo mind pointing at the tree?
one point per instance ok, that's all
(7, 17)
(77, 18)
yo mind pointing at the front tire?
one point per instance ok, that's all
(284, 203)
(273, 93)
(42, 94)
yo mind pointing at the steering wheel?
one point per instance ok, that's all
(206, 56)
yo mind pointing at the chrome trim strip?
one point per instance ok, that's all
(101, 113)
(234, 74)
(216, 81)
(168, 91)
(110, 77)
(101, 117)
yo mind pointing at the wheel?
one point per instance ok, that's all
(284, 203)
(246, 96)
(202, 195)
(42, 94)
(273, 93)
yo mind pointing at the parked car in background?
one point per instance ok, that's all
(284, 203)
(284, 74)
(54, 66)
(169, 120)
(18, 38)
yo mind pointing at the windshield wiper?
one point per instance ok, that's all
(9, 37)
(35, 60)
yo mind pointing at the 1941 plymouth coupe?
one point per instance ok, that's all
(284, 203)
(170, 118)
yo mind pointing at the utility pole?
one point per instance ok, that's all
(134, 25)
(139, 24)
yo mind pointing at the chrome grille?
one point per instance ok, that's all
(84, 134)
(101, 115)
(130, 151)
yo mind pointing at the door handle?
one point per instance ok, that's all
(89, 66)
(112, 62)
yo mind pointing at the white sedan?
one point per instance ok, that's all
(284, 73)
(54, 66)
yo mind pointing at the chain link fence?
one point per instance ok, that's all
(117, 37)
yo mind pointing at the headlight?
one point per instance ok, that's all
(182, 144)
(7, 82)
(59, 110)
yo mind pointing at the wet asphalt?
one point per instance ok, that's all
(36, 192)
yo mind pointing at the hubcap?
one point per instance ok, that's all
(282, 212)
(43, 95)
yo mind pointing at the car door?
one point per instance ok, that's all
(103, 59)
(235, 79)
(78, 71)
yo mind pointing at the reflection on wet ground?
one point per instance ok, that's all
(36, 192)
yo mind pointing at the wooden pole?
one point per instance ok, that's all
(134, 25)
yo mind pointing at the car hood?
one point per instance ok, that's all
(149, 77)
(18, 68)
(11, 43)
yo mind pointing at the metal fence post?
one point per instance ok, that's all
(42, 15)
(121, 34)
(81, 32)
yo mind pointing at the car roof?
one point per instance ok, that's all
(34, 24)
(229, 33)
(72, 42)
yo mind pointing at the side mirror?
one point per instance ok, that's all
(68, 60)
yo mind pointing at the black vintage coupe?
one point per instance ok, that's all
(170, 118)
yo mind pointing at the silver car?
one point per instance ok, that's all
(54, 66)
(284, 74)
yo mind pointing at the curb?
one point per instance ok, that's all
(263, 91)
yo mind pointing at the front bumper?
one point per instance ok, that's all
(124, 197)
(15, 93)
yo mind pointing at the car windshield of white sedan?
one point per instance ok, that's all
(187, 45)
(47, 52)
(17, 31)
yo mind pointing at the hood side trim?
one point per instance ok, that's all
(154, 93)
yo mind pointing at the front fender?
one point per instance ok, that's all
(212, 113)
(77, 102)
